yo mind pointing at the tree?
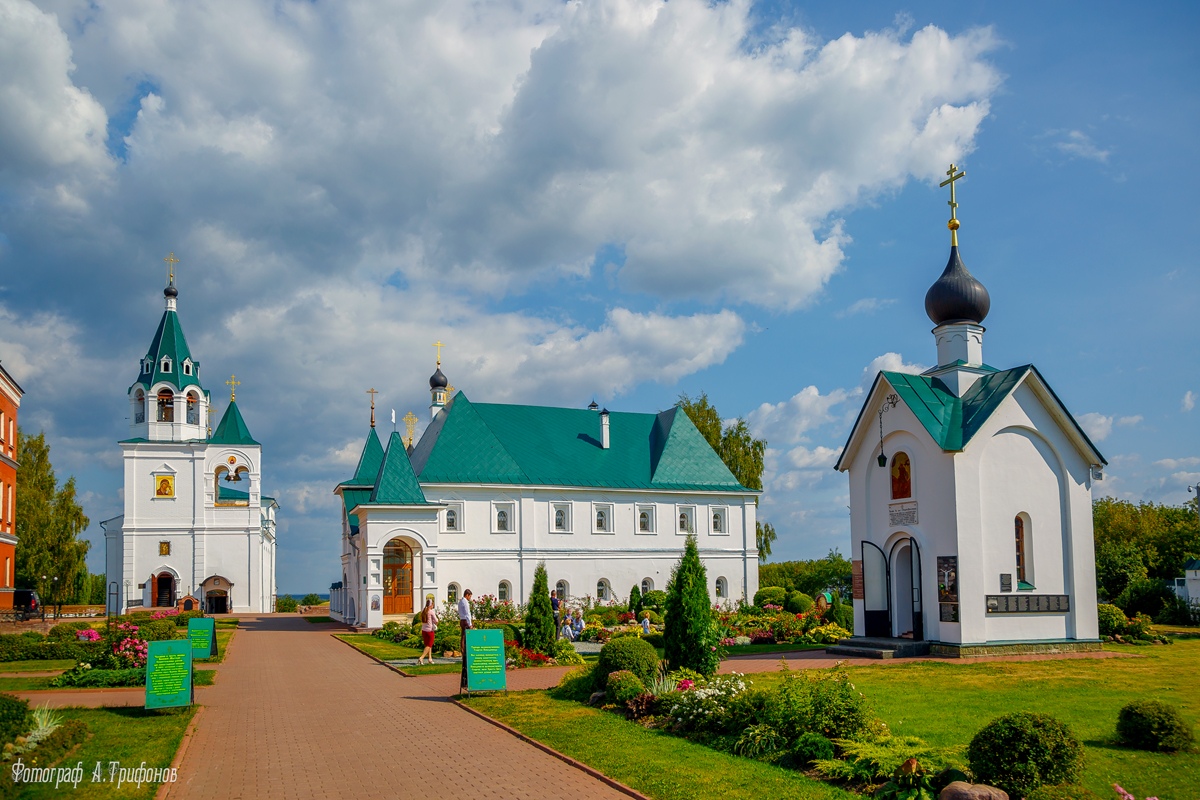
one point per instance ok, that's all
(48, 522)
(1161, 537)
(690, 638)
(742, 453)
(828, 574)
(539, 615)
(1118, 564)
(635, 601)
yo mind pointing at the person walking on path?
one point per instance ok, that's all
(429, 623)
(555, 603)
(464, 622)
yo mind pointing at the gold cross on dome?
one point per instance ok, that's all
(410, 424)
(171, 262)
(953, 224)
(372, 392)
(438, 344)
(233, 383)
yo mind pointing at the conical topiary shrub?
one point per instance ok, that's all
(539, 616)
(690, 638)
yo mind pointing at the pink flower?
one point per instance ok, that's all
(685, 684)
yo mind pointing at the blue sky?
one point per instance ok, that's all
(626, 200)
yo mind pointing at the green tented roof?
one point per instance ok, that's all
(368, 462)
(232, 429)
(544, 446)
(950, 420)
(1192, 563)
(169, 341)
(352, 498)
(396, 483)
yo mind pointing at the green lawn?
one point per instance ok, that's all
(945, 703)
(128, 735)
(752, 649)
(432, 669)
(36, 666)
(201, 677)
(372, 646)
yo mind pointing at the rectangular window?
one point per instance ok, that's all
(645, 519)
(503, 518)
(602, 518)
(8, 571)
(452, 518)
(560, 517)
(685, 520)
(719, 522)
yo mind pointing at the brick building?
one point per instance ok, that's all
(10, 401)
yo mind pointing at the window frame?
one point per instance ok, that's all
(508, 508)
(607, 509)
(453, 592)
(1023, 547)
(721, 588)
(603, 589)
(715, 512)
(646, 586)
(444, 519)
(690, 512)
(565, 508)
(645, 509)
(504, 592)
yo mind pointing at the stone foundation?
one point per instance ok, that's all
(1013, 648)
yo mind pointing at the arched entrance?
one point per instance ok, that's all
(877, 617)
(164, 590)
(397, 578)
(907, 617)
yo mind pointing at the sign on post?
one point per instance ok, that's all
(485, 659)
(202, 633)
(168, 673)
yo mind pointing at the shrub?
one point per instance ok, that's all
(808, 748)
(311, 600)
(623, 686)
(564, 653)
(1152, 725)
(30, 646)
(770, 595)
(1178, 611)
(655, 599)
(1138, 626)
(578, 684)
(1112, 619)
(641, 706)
(840, 613)
(285, 604)
(627, 653)
(798, 603)
(878, 760)
(654, 639)
(690, 638)
(391, 631)
(1144, 597)
(14, 717)
(65, 631)
(758, 741)
(654, 617)
(1020, 752)
(635, 601)
(819, 701)
(708, 708)
(158, 630)
(83, 676)
(539, 618)
(182, 618)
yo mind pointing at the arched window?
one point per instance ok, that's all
(452, 593)
(560, 520)
(193, 408)
(561, 589)
(501, 520)
(603, 592)
(187, 367)
(683, 522)
(146, 366)
(644, 521)
(451, 519)
(901, 477)
(647, 586)
(1023, 548)
(718, 525)
(504, 592)
(601, 520)
(165, 366)
(166, 406)
(139, 407)
(722, 588)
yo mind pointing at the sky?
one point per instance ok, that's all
(623, 200)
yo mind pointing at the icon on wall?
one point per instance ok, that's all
(164, 485)
(374, 602)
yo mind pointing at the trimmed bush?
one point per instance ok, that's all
(810, 747)
(1020, 752)
(798, 603)
(627, 653)
(690, 638)
(1152, 725)
(30, 646)
(655, 599)
(654, 639)
(841, 614)
(770, 595)
(65, 631)
(577, 685)
(635, 601)
(101, 678)
(623, 686)
(1112, 619)
(158, 630)
(181, 619)
(14, 717)
(1144, 597)
(539, 616)
(285, 604)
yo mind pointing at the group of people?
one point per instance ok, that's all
(567, 626)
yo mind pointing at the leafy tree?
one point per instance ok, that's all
(635, 600)
(1118, 564)
(737, 447)
(48, 522)
(828, 574)
(690, 639)
(1164, 537)
(539, 615)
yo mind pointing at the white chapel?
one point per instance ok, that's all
(197, 531)
(970, 496)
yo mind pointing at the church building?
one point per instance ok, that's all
(970, 496)
(197, 531)
(606, 499)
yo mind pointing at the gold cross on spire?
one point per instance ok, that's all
(953, 223)
(233, 383)
(210, 413)
(410, 424)
(171, 262)
(372, 392)
(438, 344)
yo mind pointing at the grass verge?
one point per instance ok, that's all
(315, 620)
(224, 637)
(127, 735)
(44, 665)
(754, 649)
(200, 677)
(372, 646)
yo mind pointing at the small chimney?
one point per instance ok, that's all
(604, 429)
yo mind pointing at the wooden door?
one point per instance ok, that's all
(397, 579)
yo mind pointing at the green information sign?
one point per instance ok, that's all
(202, 632)
(169, 673)
(485, 659)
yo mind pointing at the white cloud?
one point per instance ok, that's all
(1177, 463)
(1188, 402)
(868, 305)
(1126, 422)
(889, 362)
(791, 420)
(1078, 144)
(1096, 426)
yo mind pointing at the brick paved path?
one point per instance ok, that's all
(298, 714)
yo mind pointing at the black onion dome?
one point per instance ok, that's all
(438, 380)
(171, 291)
(957, 296)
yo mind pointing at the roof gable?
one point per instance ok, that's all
(232, 428)
(396, 484)
(463, 449)
(686, 459)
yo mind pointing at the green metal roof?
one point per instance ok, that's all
(352, 498)
(396, 484)
(369, 462)
(1192, 563)
(226, 495)
(169, 341)
(952, 421)
(232, 429)
(544, 446)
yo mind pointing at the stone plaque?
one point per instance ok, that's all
(948, 612)
(1028, 603)
(902, 513)
(857, 589)
(1005, 581)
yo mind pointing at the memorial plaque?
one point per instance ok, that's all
(948, 612)
(1006, 581)
(485, 659)
(947, 575)
(902, 514)
(168, 673)
(857, 588)
(1028, 603)
(202, 633)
